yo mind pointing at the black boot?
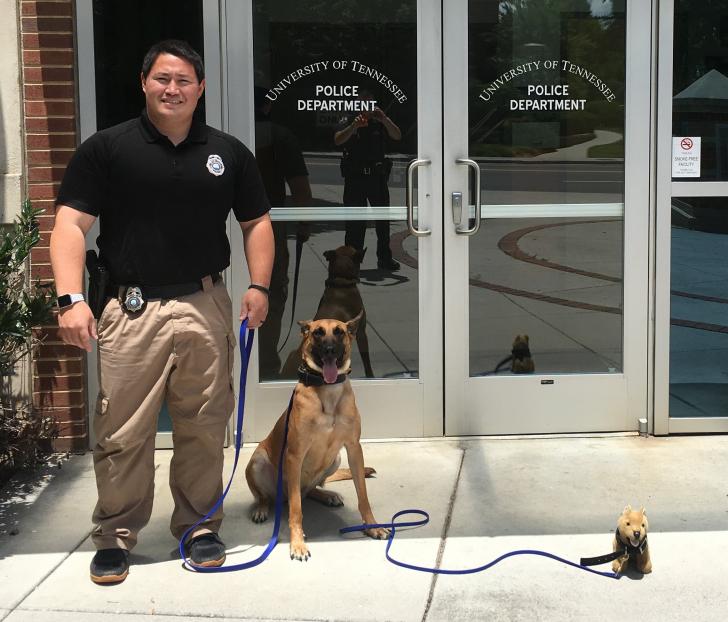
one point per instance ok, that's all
(390, 264)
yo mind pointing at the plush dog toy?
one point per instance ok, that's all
(631, 538)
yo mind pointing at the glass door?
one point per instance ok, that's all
(341, 101)
(691, 380)
(546, 195)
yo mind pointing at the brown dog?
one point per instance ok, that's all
(324, 418)
(631, 537)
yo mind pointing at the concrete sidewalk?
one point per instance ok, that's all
(485, 497)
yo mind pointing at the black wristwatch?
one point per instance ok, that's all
(260, 288)
(67, 300)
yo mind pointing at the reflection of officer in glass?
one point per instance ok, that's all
(366, 172)
(280, 161)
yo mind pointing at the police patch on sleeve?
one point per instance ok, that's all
(215, 165)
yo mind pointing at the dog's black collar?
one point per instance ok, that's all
(310, 378)
(341, 282)
(627, 549)
(630, 549)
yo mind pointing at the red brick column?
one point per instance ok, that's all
(49, 95)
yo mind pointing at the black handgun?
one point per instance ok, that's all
(98, 282)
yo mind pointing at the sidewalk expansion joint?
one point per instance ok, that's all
(445, 531)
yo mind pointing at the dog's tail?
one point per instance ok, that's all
(342, 474)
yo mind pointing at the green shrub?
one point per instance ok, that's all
(25, 433)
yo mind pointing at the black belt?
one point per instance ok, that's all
(374, 168)
(151, 292)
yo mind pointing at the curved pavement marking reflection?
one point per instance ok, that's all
(508, 244)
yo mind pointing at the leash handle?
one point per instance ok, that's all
(245, 351)
(426, 518)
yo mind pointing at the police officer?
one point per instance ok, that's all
(366, 173)
(162, 186)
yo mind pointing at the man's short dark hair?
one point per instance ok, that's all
(178, 48)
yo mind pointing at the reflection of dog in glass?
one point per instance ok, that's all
(341, 301)
(520, 358)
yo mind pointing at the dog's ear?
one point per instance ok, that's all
(353, 325)
(525, 338)
(642, 511)
(627, 509)
(305, 326)
(329, 255)
(359, 255)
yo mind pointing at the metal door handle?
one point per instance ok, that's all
(476, 226)
(410, 201)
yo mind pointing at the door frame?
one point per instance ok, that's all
(465, 396)
(666, 190)
(417, 403)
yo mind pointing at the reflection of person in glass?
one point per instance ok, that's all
(280, 161)
(366, 172)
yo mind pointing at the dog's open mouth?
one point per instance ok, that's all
(330, 371)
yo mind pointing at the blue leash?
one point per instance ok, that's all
(245, 360)
(393, 525)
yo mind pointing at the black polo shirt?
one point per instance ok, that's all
(163, 209)
(367, 145)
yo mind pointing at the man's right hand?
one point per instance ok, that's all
(77, 326)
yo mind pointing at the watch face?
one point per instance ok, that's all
(64, 301)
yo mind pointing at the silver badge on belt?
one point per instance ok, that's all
(133, 300)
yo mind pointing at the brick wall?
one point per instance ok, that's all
(49, 94)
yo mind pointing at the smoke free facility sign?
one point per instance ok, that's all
(686, 156)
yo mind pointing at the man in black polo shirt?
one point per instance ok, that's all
(163, 186)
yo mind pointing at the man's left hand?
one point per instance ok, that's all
(254, 306)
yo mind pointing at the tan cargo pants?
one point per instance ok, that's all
(180, 350)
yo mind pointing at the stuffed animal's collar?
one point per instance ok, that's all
(629, 548)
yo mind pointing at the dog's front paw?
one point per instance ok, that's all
(647, 568)
(378, 533)
(300, 551)
(259, 514)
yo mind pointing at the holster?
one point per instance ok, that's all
(98, 282)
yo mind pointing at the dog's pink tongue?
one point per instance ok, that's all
(330, 372)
